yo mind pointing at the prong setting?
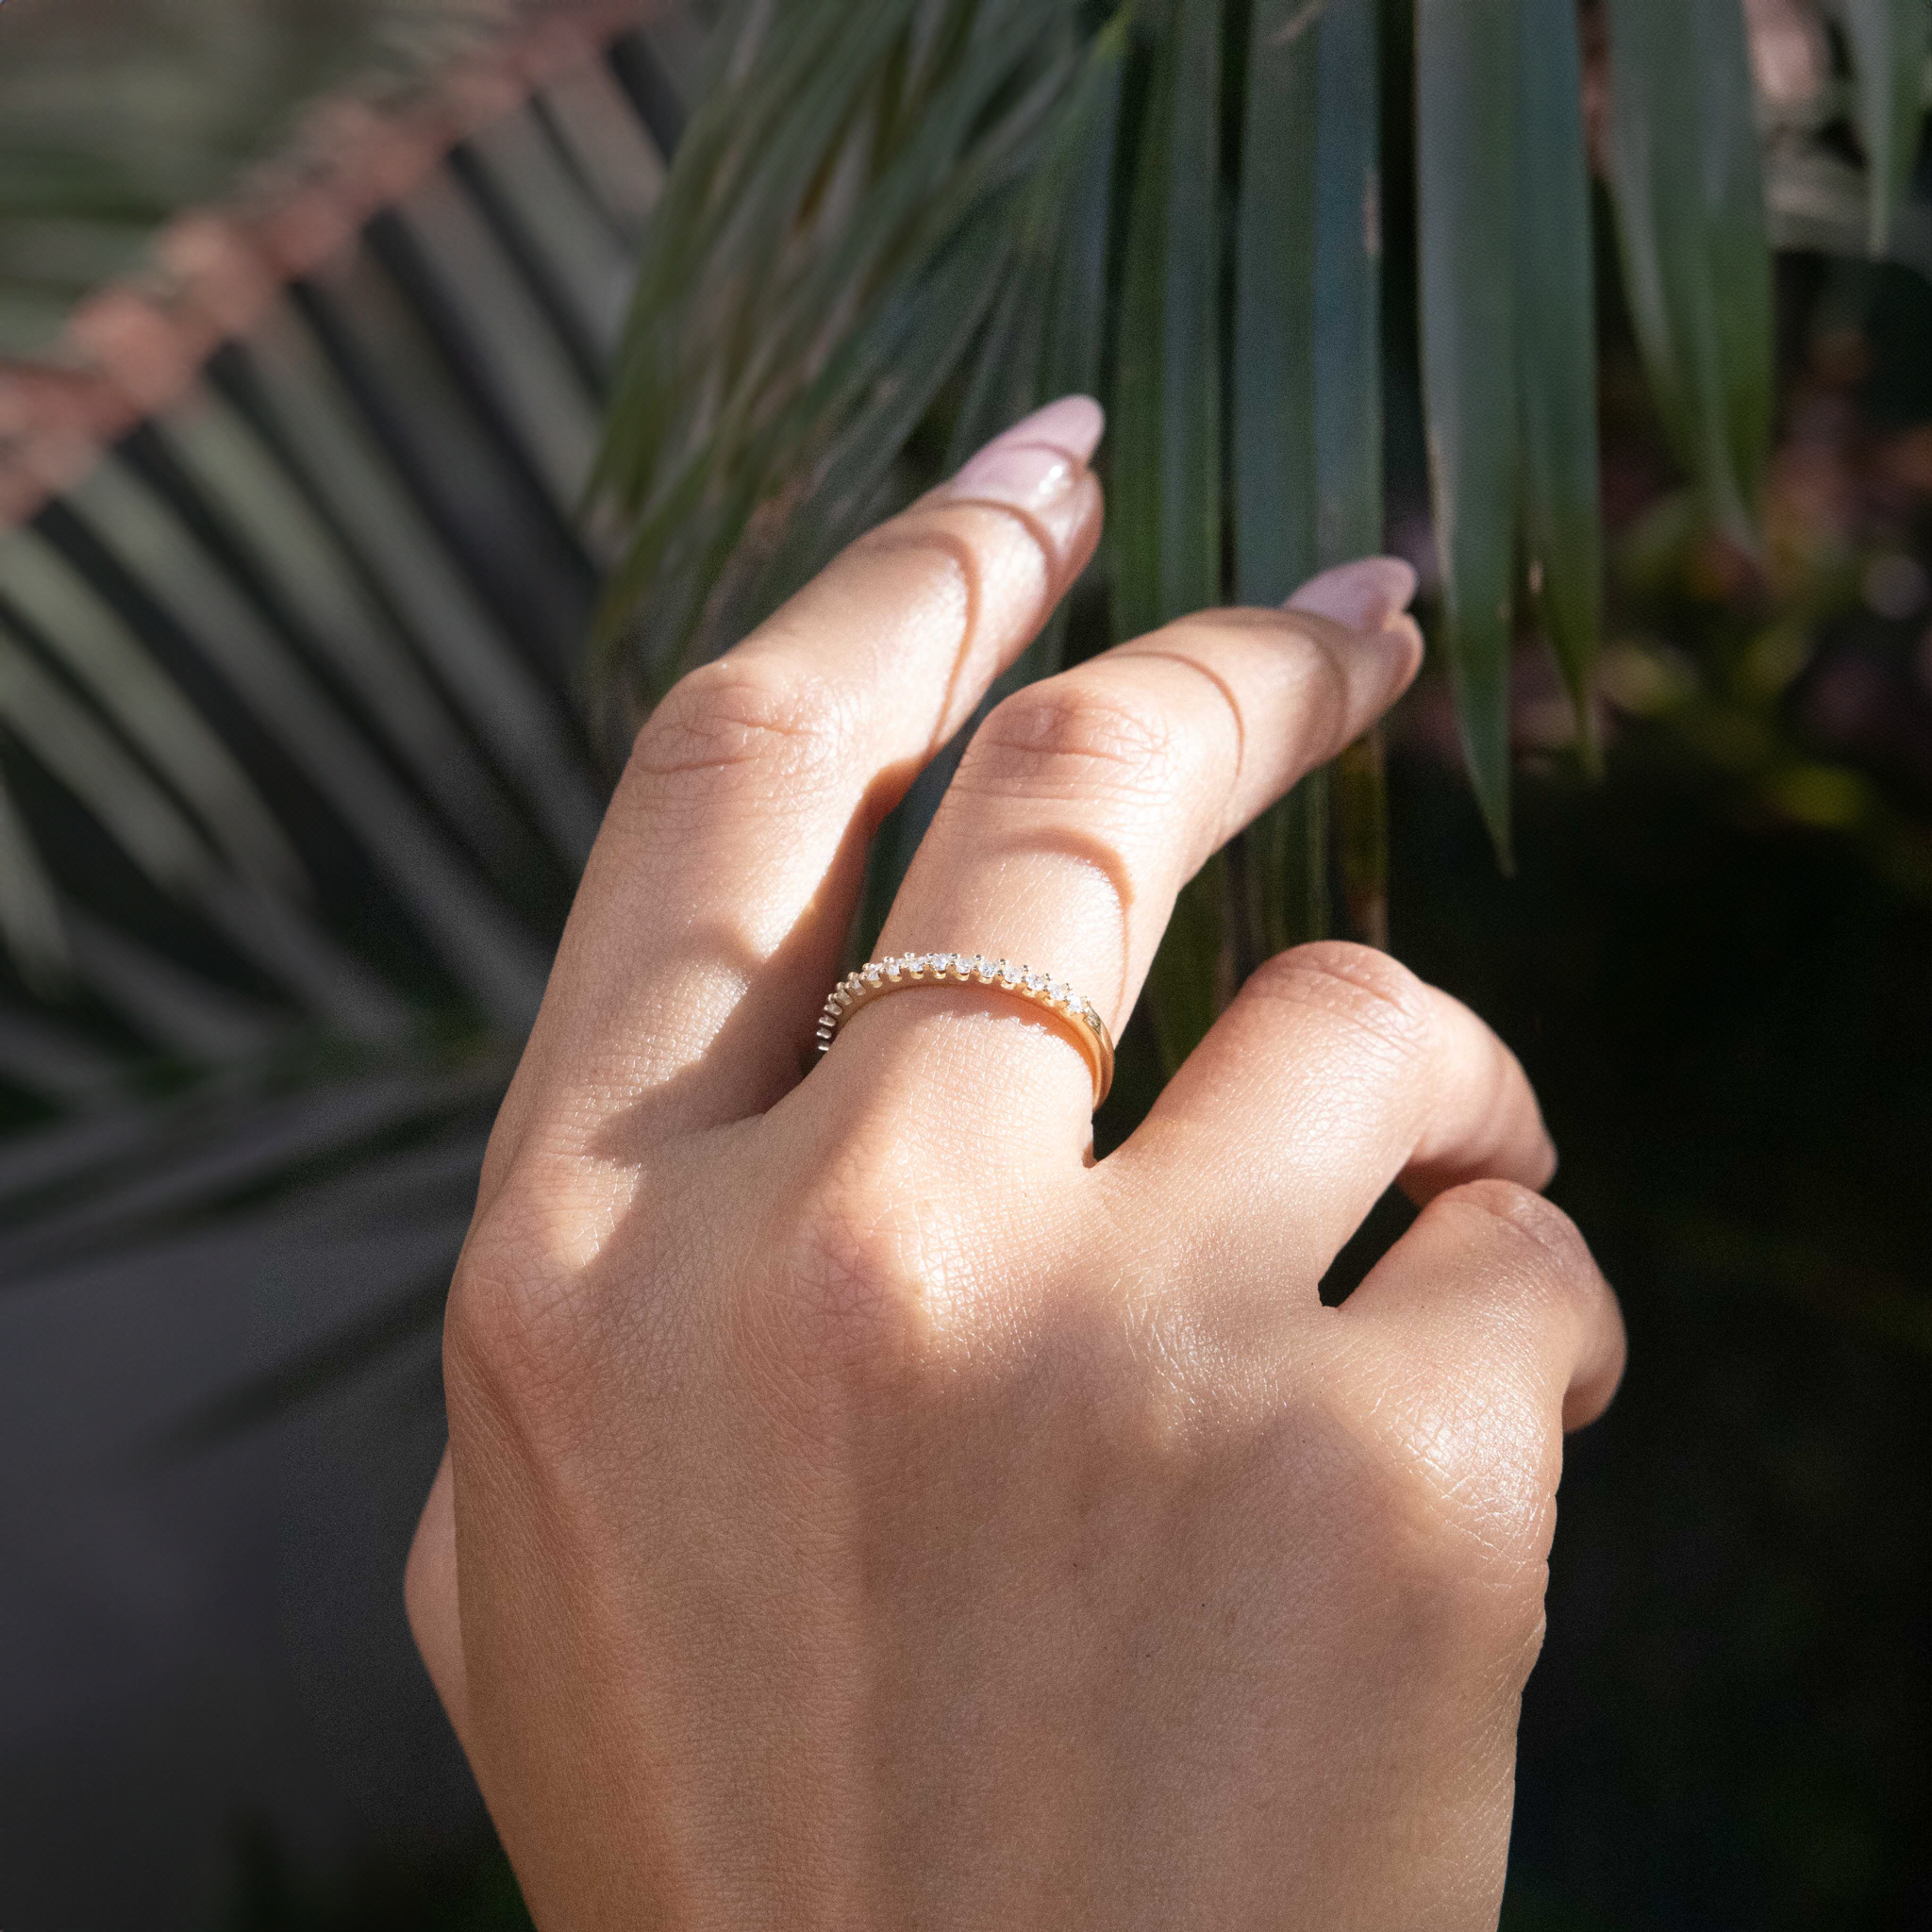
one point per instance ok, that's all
(877, 977)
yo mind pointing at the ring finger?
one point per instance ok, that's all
(1079, 810)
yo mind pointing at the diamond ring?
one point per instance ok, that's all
(1078, 1016)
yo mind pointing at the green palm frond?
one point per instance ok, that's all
(113, 118)
(292, 798)
(858, 254)
(1889, 46)
(855, 197)
(1690, 189)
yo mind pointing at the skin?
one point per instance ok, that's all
(864, 1510)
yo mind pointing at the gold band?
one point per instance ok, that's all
(905, 969)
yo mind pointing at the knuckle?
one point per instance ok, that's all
(940, 553)
(736, 715)
(1547, 1253)
(1444, 1502)
(1370, 994)
(513, 1327)
(848, 1299)
(1473, 1492)
(1073, 735)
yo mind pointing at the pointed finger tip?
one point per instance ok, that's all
(1073, 423)
(1363, 595)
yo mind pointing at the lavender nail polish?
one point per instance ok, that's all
(1039, 461)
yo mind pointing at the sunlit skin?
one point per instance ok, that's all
(864, 1510)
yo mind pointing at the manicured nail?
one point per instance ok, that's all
(1364, 595)
(1035, 463)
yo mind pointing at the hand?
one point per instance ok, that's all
(862, 1510)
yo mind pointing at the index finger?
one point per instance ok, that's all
(721, 888)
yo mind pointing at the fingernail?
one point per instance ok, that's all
(1035, 463)
(1364, 595)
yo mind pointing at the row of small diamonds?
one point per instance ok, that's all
(942, 967)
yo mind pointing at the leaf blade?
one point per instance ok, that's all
(1308, 427)
(1167, 442)
(30, 926)
(1555, 342)
(1348, 288)
(847, 150)
(1274, 452)
(1687, 179)
(1167, 480)
(1466, 181)
(1889, 42)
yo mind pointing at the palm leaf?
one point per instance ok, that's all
(288, 772)
(29, 919)
(1466, 167)
(1688, 180)
(1284, 859)
(1555, 349)
(47, 599)
(1889, 41)
(1165, 536)
(848, 164)
(1307, 429)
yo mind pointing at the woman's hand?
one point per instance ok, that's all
(862, 1510)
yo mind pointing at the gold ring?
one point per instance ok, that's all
(904, 971)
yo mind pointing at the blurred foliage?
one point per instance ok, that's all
(116, 114)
